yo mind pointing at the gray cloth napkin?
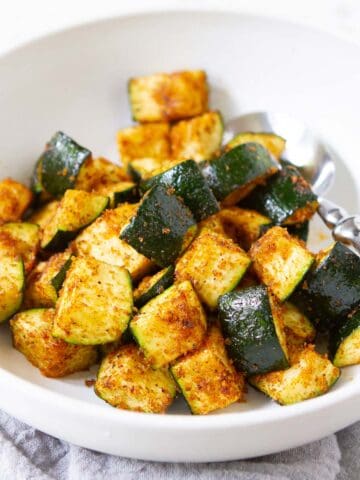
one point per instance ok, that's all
(27, 454)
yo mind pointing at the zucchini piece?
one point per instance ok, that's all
(44, 214)
(299, 230)
(60, 165)
(12, 282)
(120, 193)
(15, 199)
(233, 175)
(345, 341)
(150, 287)
(162, 227)
(170, 325)
(252, 324)
(168, 96)
(20, 239)
(126, 380)
(101, 241)
(214, 224)
(207, 378)
(186, 181)
(243, 226)
(198, 138)
(95, 303)
(214, 264)
(99, 172)
(297, 322)
(54, 358)
(76, 210)
(274, 144)
(309, 376)
(286, 198)
(280, 261)
(143, 168)
(144, 141)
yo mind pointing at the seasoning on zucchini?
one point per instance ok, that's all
(54, 358)
(44, 214)
(95, 303)
(168, 96)
(150, 287)
(187, 182)
(12, 283)
(76, 210)
(99, 172)
(126, 380)
(214, 264)
(198, 138)
(15, 199)
(143, 168)
(119, 193)
(273, 143)
(20, 239)
(233, 175)
(280, 261)
(345, 341)
(170, 325)
(254, 332)
(162, 227)
(101, 241)
(60, 165)
(297, 322)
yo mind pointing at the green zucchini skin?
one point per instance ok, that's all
(338, 335)
(60, 164)
(166, 280)
(162, 227)
(59, 278)
(189, 184)
(282, 196)
(237, 168)
(248, 324)
(130, 195)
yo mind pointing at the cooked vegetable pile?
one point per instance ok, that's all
(185, 270)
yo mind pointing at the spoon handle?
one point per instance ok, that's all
(345, 228)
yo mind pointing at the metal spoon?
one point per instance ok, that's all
(313, 158)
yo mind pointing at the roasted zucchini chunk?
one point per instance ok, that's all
(167, 97)
(45, 281)
(286, 198)
(144, 168)
(297, 322)
(280, 261)
(101, 241)
(15, 199)
(20, 239)
(44, 214)
(127, 381)
(12, 283)
(162, 227)
(198, 138)
(144, 141)
(214, 264)
(76, 210)
(253, 327)
(309, 376)
(170, 325)
(121, 192)
(32, 336)
(298, 230)
(186, 181)
(274, 144)
(242, 225)
(206, 376)
(59, 165)
(150, 287)
(345, 341)
(95, 303)
(214, 224)
(96, 173)
(233, 175)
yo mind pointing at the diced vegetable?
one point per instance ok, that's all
(297, 322)
(96, 173)
(143, 168)
(12, 282)
(345, 341)
(44, 214)
(198, 138)
(280, 261)
(170, 325)
(119, 193)
(214, 224)
(126, 380)
(101, 241)
(214, 264)
(187, 182)
(150, 287)
(233, 175)
(53, 357)
(76, 210)
(168, 97)
(254, 331)
(207, 378)
(162, 227)
(95, 303)
(15, 199)
(273, 143)
(20, 239)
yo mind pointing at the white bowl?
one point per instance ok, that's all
(76, 81)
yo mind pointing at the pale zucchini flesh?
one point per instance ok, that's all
(20, 239)
(15, 199)
(273, 143)
(12, 282)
